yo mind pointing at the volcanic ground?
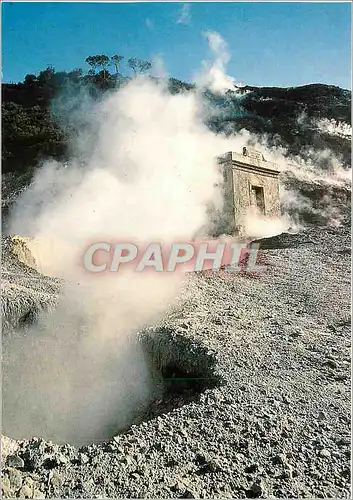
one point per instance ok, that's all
(260, 405)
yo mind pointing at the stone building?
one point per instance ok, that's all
(250, 185)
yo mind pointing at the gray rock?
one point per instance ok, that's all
(258, 489)
(6, 487)
(325, 453)
(15, 461)
(15, 478)
(38, 494)
(83, 458)
(250, 469)
(26, 491)
(280, 459)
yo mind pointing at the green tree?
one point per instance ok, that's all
(93, 61)
(30, 80)
(139, 65)
(46, 76)
(116, 60)
(59, 79)
(99, 61)
(75, 75)
(104, 62)
(29, 134)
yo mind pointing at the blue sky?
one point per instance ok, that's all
(279, 44)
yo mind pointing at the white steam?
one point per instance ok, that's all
(143, 169)
(213, 76)
(335, 128)
(148, 176)
(256, 225)
(320, 169)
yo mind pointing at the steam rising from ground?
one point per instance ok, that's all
(142, 169)
(320, 170)
(149, 176)
(213, 75)
(333, 127)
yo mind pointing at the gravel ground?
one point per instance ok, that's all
(273, 419)
(25, 291)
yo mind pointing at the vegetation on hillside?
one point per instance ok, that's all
(30, 132)
(285, 115)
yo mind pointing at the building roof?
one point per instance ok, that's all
(249, 158)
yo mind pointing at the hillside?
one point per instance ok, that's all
(303, 121)
(295, 117)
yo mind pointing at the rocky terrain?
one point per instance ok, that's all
(257, 400)
(255, 364)
(310, 123)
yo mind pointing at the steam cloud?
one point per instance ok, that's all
(143, 168)
(213, 74)
(149, 176)
(333, 127)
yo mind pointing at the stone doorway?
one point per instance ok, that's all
(258, 199)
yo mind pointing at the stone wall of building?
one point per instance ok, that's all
(248, 181)
(243, 182)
